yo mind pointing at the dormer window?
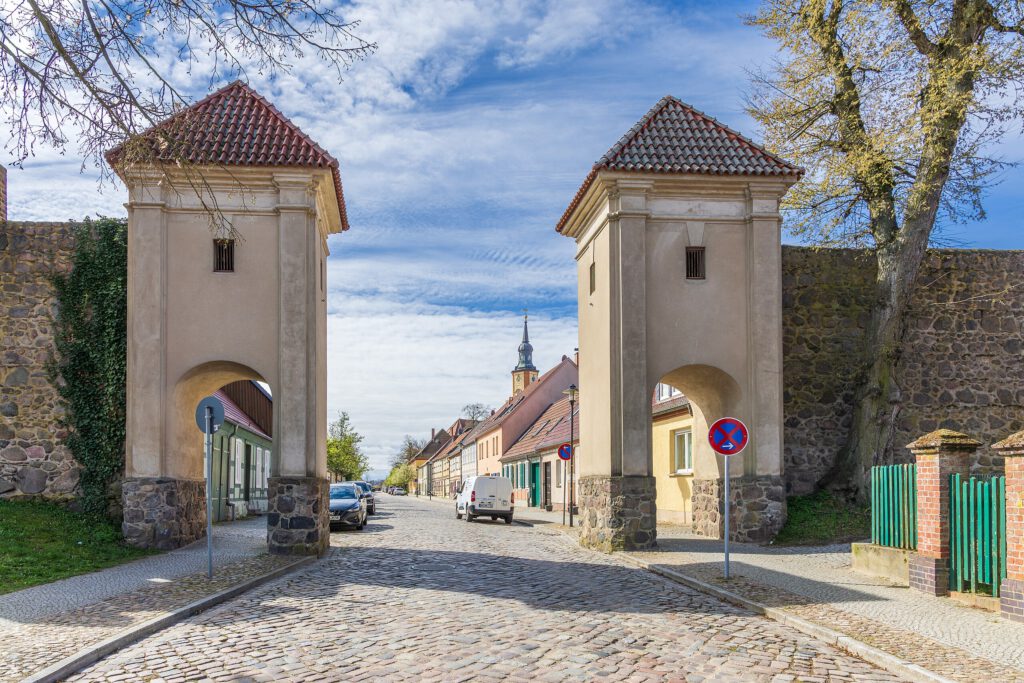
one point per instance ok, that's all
(223, 256)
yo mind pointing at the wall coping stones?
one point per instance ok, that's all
(946, 440)
(1011, 445)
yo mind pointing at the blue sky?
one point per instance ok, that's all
(461, 141)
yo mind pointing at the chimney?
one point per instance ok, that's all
(3, 194)
(433, 433)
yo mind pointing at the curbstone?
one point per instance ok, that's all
(97, 651)
(868, 653)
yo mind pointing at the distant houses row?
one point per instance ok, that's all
(520, 440)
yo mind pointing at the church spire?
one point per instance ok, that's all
(525, 372)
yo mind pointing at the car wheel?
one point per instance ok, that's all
(494, 518)
(469, 517)
(458, 515)
(359, 528)
(508, 520)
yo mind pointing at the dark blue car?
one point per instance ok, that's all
(348, 506)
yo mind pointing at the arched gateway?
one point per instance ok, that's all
(678, 256)
(245, 301)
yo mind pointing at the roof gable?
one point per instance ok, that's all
(673, 137)
(235, 126)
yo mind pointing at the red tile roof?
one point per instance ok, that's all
(236, 126)
(548, 431)
(673, 137)
(237, 415)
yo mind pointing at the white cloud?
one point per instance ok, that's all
(406, 368)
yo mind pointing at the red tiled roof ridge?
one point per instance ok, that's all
(614, 155)
(222, 143)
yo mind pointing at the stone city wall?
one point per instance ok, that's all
(960, 367)
(33, 461)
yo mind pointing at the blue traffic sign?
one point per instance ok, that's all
(565, 451)
(728, 436)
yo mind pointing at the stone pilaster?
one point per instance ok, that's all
(938, 455)
(163, 513)
(617, 513)
(1011, 591)
(758, 508)
(298, 515)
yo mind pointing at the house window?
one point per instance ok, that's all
(682, 451)
(695, 263)
(593, 277)
(223, 256)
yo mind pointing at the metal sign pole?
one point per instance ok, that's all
(572, 464)
(726, 458)
(209, 492)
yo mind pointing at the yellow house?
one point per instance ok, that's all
(672, 446)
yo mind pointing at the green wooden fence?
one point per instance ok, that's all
(977, 534)
(894, 506)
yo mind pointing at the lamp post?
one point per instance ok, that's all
(572, 393)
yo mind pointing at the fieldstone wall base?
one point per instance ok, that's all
(1011, 599)
(163, 513)
(757, 511)
(618, 513)
(929, 574)
(298, 516)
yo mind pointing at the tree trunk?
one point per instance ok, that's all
(877, 401)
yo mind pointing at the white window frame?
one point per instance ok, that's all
(687, 456)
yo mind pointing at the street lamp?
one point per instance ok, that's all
(572, 392)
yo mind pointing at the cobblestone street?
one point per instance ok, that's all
(421, 596)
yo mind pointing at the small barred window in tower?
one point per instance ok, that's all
(524, 373)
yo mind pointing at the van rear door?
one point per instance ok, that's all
(491, 495)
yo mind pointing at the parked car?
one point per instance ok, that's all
(399, 491)
(347, 506)
(489, 496)
(371, 502)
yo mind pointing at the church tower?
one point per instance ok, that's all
(524, 373)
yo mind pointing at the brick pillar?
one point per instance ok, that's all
(1011, 591)
(939, 454)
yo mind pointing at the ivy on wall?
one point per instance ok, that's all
(90, 355)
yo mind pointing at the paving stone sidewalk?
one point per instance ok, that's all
(44, 624)
(817, 584)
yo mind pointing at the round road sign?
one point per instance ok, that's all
(218, 413)
(565, 451)
(728, 436)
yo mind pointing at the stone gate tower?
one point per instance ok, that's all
(226, 281)
(678, 257)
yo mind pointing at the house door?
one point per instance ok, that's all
(218, 486)
(534, 484)
(547, 485)
(247, 476)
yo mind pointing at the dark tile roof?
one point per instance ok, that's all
(548, 431)
(236, 126)
(671, 405)
(233, 413)
(673, 137)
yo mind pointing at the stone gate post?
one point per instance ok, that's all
(1011, 591)
(939, 454)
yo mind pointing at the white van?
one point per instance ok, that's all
(487, 496)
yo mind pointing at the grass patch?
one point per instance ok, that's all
(822, 518)
(43, 542)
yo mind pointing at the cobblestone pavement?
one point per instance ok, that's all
(46, 632)
(419, 596)
(818, 584)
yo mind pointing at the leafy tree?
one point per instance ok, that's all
(401, 475)
(891, 106)
(88, 364)
(344, 457)
(98, 72)
(475, 411)
(410, 447)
